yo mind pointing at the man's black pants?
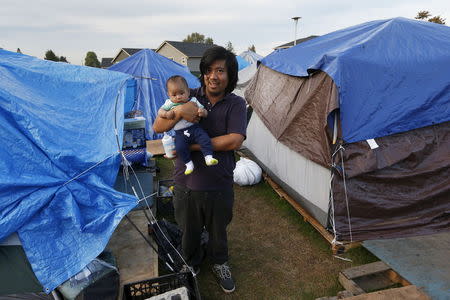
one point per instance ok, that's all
(210, 209)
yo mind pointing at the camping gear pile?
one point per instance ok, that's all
(356, 127)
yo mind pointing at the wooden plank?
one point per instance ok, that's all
(336, 248)
(155, 147)
(366, 269)
(373, 276)
(350, 285)
(375, 282)
(395, 277)
(344, 294)
(410, 292)
(309, 218)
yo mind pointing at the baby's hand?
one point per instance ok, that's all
(202, 113)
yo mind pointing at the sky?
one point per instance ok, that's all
(72, 28)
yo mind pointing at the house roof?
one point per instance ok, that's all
(290, 44)
(128, 51)
(189, 49)
(131, 51)
(106, 62)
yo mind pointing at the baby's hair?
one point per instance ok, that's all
(177, 79)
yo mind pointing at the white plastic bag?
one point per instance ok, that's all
(247, 172)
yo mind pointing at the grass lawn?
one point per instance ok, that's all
(274, 254)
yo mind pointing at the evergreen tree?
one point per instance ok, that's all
(91, 60)
(209, 41)
(252, 48)
(196, 37)
(229, 47)
(437, 19)
(63, 59)
(426, 16)
(50, 55)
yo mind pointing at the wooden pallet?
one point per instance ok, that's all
(360, 282)
(336, 248)
(410, 292)
(374, 276)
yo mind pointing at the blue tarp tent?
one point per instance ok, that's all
(393, 75)
(59, 159)
(242, 63)
(250, 56)
(151, 72)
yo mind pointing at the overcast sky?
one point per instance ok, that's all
(72, 28)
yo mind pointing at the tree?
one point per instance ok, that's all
(50, 55)
(426, 16)
(423, 15)
(437, 19)
(63, 59)
(252, 48)
(91, 60)
(196, 37)
(229, 47)
(18, 50)
(209, 41)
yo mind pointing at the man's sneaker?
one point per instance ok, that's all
(195, 270)
(223, 275)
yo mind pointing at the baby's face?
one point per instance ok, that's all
(178, 93)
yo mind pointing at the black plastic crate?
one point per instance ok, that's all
(164, 199)
(156, 286)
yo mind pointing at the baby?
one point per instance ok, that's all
(186, 133)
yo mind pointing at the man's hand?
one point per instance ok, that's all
(202, 113)
(188, 111)
(169, 115)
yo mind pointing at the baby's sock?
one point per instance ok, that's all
(189, 168)
(210, 161)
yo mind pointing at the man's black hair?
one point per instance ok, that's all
(220, 53)
(176, 78)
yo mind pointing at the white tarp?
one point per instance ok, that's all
(250, 56)
(308, 179)
(245, 75)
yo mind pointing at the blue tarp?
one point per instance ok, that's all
(58, 160)
(393, 75)
(151, 72)
(242, 63)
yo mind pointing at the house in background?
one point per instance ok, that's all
(291, 44)
(188, 54)
(106, 62)
(124, 53)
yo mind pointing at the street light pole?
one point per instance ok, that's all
(295, 30)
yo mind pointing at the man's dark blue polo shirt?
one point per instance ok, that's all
(228, 115)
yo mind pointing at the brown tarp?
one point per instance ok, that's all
(401, 188)
(295, 110)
